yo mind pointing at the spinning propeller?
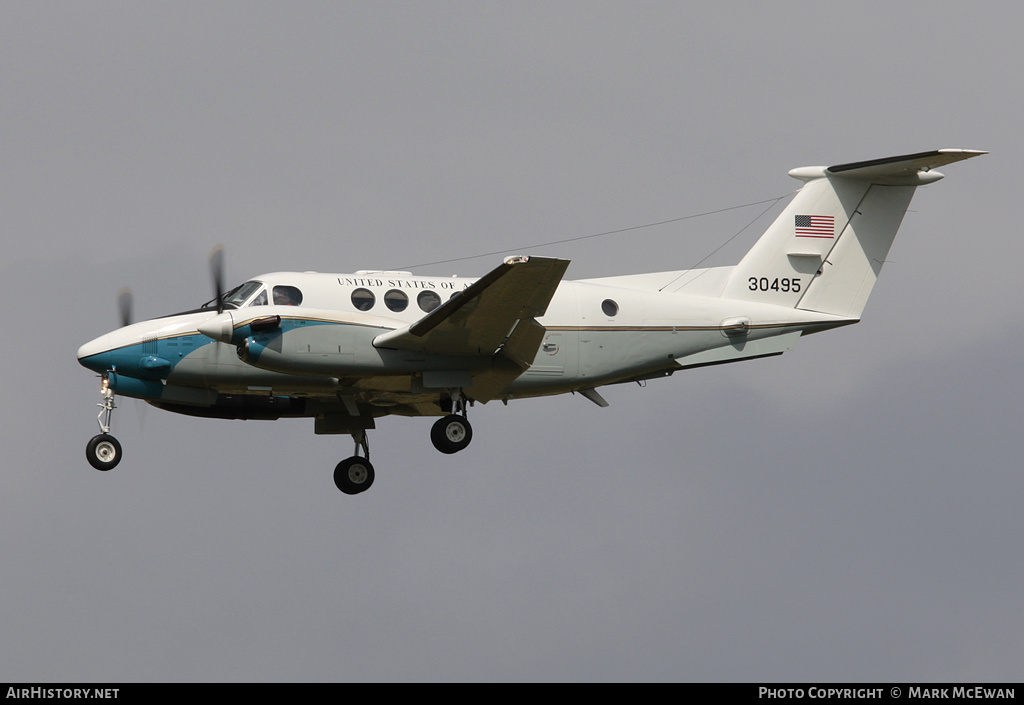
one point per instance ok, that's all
(124, 305)
(217, 273)
(125, 297)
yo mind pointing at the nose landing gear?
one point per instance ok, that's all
(103, 451)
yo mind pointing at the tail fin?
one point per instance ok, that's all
(825, 251)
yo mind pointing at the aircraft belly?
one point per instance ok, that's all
(216, 367)
(344, 351)
(616, 354)
(607, 356)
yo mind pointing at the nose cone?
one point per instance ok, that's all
(85, 351)
(137, 350)
(97, 355)
(220, 327)
(119, 347)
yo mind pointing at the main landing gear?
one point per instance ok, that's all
(452, 433)
(449, 434)
(103, 451)
(354, 475)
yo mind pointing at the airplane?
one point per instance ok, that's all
(347, 349)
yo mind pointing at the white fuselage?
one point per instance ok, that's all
(597, 332)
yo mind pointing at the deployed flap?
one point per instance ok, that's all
(478, 321)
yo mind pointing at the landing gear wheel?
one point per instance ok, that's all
(103, 452)
(451, 433)
(353, 475)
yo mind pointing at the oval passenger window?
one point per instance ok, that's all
(396, 300)
(363, 299)
(428, 301)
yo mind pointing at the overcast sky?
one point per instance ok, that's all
(848, 511)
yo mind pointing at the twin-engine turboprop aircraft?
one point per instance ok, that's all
(346, 349)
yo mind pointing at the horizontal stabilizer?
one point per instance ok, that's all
(907, 166)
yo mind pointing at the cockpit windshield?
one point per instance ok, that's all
(240, 295)
(237, 296)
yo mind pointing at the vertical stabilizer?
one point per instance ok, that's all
(826, 249)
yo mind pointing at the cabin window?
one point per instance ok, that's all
(396, 300)
(287, 296)
(363, 299)
(260, 300)
(610, 308)
(428, 301)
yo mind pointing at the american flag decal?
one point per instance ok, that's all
(822, 226)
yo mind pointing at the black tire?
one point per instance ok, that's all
(103, 452)
(353, 475)
(451, 434)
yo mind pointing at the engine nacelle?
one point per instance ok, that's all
(234, 327)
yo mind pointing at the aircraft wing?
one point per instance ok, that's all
(496, 311)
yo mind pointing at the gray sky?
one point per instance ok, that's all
(849, 511)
